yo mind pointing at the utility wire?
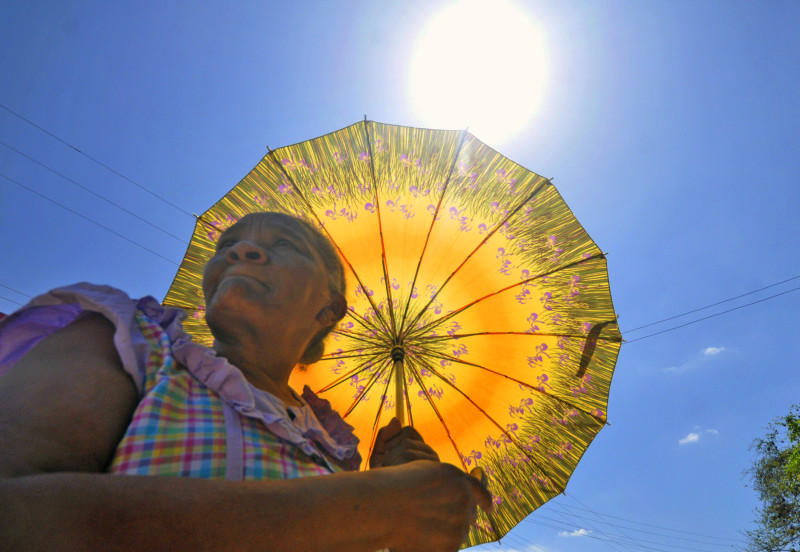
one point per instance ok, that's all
(190, 215)
(646, 532)
(97, 161)
(713, 305)
(607, 538)
(625, 542)
(15, 290)
(586, 509)
(601, 516)
(87, 218)
(571, 521)
(11, 300)
(82, 187)
(617, 539)
(713, 315)
(610, 538)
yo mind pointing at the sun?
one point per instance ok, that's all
(482, 65)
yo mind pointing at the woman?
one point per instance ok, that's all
(89, 399)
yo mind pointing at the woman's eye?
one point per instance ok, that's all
(224, 244)
(285, 243)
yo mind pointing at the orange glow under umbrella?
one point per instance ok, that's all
(479, 308)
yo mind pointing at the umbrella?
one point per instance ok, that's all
(479, 308)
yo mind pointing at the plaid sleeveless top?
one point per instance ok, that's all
(197, 416)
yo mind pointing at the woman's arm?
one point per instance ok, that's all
(64, 407)
(415, 507)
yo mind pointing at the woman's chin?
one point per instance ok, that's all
(234, 302)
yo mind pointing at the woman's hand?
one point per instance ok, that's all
(396, 445)
(434, 505)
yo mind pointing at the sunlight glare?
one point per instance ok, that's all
(479, 64)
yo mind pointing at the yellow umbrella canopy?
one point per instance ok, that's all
(473, 273)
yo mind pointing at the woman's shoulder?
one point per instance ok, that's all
(60, 307)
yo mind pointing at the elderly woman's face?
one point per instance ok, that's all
(267, 276)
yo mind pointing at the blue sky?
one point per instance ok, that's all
(671, 129)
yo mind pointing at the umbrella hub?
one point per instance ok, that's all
(398, 354)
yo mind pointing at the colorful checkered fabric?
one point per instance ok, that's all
(178, 428)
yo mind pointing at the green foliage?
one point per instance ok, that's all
(775, 476)
(793, 429)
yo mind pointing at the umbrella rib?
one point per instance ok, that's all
(361, 337)
(357, 370)
(280, 166)
(381, 408)
(368, 326)
(335, 356)
(436, 338)
(177, 306)
(451, 314)
(418, 379)
(208, 225)
(520, 382)
(468, 257)
(488, 417)
(380, 232)
(360, 395)
(463, 136)
(452, 441)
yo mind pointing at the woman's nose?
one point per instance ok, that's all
(247, 251)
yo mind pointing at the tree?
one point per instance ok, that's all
(775, 476)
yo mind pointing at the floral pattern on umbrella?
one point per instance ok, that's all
(476, 269)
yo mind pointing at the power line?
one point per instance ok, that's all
(97, 161)
(11, 300)
(713, 315)
(15, 290)
(605, 538)
(634, 543)
(627, 540)
(189, 214)
(81, 186)
(713, 304)
(587, 509)
(87, 218)
(647, 532)
(572, 520)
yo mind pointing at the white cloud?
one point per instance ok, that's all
(694, 436)
(576, 533)
(704, 356)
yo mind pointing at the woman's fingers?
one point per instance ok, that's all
(407, 446)
(386, 433)
(482, 495)
(389, 430)
(395, 445)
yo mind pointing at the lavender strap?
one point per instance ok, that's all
(234, 449)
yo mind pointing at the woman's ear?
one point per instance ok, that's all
(334, 310)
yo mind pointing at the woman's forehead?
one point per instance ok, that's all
(270, 221)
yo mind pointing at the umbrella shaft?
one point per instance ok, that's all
(399, 396)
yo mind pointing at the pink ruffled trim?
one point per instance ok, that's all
(334, 424)
(328, 430)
